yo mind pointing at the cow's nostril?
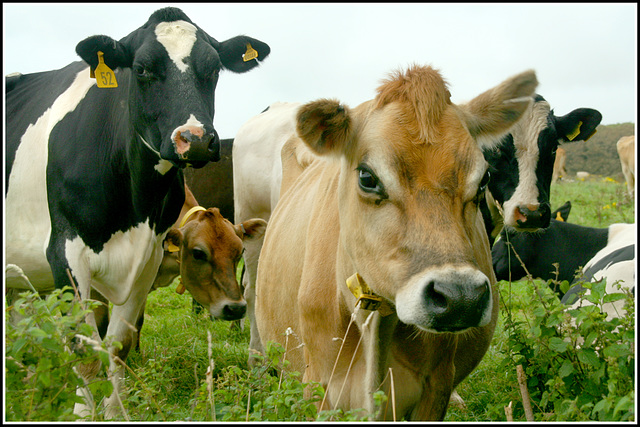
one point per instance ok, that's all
(436, 298)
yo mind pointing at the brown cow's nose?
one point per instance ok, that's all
(457, 306)
(234, 310)
(533, 216)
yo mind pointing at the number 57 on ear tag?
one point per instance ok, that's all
(105, 77)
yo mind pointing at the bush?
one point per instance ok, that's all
(579, 365)
(40, 379)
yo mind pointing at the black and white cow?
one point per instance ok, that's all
(521, 166)
(615, 263)
(571, 246)
(94, 175)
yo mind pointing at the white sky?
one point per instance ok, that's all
(585, 55)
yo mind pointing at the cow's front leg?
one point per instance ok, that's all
(122, 329)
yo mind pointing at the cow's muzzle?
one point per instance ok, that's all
(532, 217)
(195, 146)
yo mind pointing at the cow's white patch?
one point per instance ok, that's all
(525, 138)
(621, 272)
(178, 38)
(27, 213)
(114, 270)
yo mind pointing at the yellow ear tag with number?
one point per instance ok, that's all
(575, 132)
(250, 54)
(105, 77)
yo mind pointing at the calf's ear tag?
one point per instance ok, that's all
(575, 132)
(250, 54)
(180, 288)
(105, 77)
(172, 248)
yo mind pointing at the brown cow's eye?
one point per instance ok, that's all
(484, 182)
(199, 254)
(369, 182)
(482, 187)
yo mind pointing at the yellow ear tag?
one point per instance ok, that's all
(559, 217)
(575, 132)
(105, 75)
(172, 248)
(367, 299)
(250, 54)
(180, 288)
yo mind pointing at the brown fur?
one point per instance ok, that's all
(627, 152)
(325, 228)
(559, 170)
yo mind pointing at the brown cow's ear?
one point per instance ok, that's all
(251, 229)
(491, 114)
(173, 240)
(325, 126)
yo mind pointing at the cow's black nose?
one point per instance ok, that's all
(234, 310)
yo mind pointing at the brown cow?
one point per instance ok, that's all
(389, 206)
(627, 151)
(559, 170)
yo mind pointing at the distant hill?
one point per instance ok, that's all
(598, 155)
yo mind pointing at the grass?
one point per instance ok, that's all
(166, 381)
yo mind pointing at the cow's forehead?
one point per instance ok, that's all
(527, 130)
(178, 38)
(400, 158)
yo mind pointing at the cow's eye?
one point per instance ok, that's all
(484, 182)
(199, 254)
(369, 182)
(141, 72)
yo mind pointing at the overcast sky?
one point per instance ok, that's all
(585, 55)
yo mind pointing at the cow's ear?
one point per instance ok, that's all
(490, 115)
(251, 229)
(115, 53)
(325, 126)
(241, 53)
(578, 125)
(173, 240)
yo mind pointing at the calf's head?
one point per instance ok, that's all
(169, 69)
(411, 176)
(210, 248)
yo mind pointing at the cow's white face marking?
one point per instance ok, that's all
(27, 212)
(114, 270)
(178, 38)
(525, 138)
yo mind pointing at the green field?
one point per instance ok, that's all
(167, 378)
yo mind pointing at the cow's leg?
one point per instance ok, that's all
(251, 253)
(80, 279)
(122, 328)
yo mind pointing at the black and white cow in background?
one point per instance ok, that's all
(615, 263)
(94, 175)
(521, 167)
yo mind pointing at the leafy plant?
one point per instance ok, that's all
(579, 365)
(40, 374)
